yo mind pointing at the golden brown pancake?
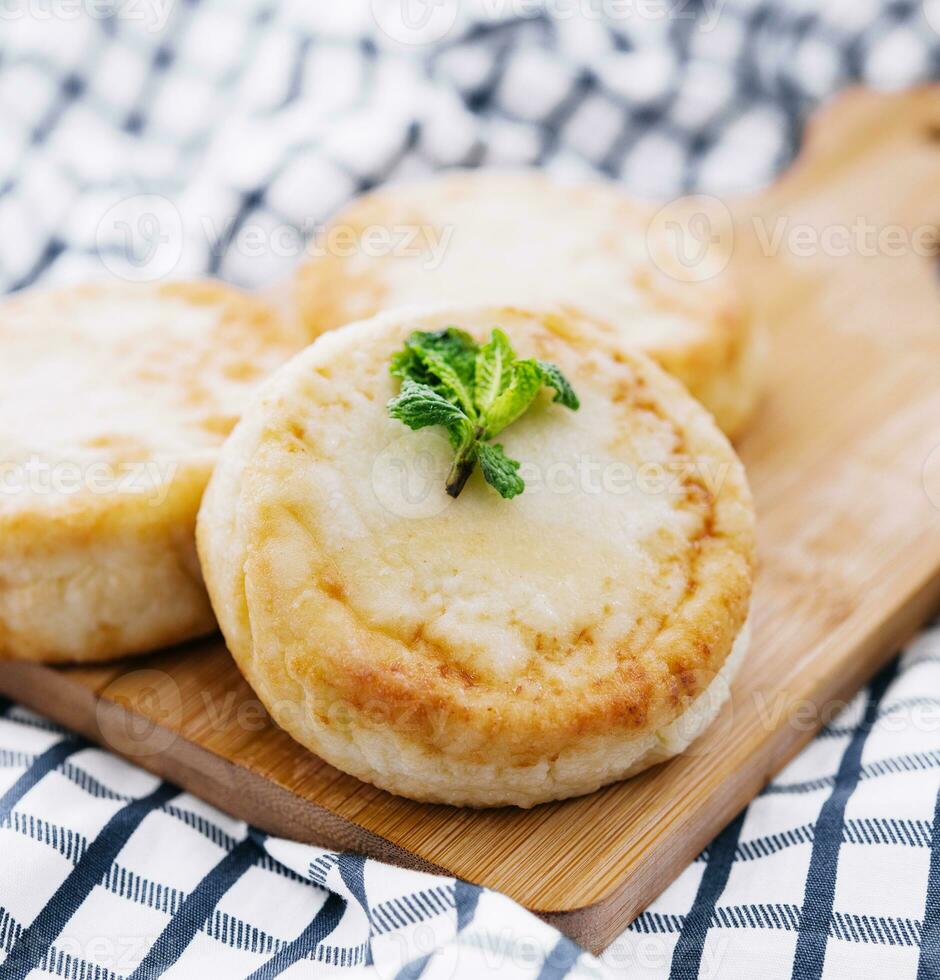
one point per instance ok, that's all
(478, 650)
(521, 238)
(114, 401)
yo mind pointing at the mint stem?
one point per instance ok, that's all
(463, 464)
(459, 474)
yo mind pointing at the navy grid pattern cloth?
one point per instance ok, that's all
(183, 137)
(833, 871)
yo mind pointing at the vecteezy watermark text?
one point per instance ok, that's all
(316, 239)
(142, 238)
(409, 474)
(692, 239)
(860, 237)
(150, 479)
(151, 15)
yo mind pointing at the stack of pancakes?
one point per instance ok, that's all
(476, 651)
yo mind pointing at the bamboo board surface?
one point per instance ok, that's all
(848, 499)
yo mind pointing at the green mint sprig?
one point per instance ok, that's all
(474, 391)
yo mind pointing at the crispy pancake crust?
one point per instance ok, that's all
(482, 651)
(114, 401)
(519, 237)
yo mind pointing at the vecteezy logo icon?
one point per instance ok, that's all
(415, 21)
(691, 239)
(409, 475)
(139, 713)
(140, 238)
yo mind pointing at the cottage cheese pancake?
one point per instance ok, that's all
(473, 237)
(114, 400)
(482, 650)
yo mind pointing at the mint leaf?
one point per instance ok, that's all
(474, 392)
(564, 393)
(499, 470)
(493, 372)
(525, 385)
(418, 405)
(449, 382)
(443, 360)
(455, 346)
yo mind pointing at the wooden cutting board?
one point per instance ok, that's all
(848, 498)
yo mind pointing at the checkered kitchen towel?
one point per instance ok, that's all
(176, 137)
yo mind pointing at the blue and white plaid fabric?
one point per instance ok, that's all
(178, 137)
(832, 872)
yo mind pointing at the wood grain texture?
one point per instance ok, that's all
(849, 567)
